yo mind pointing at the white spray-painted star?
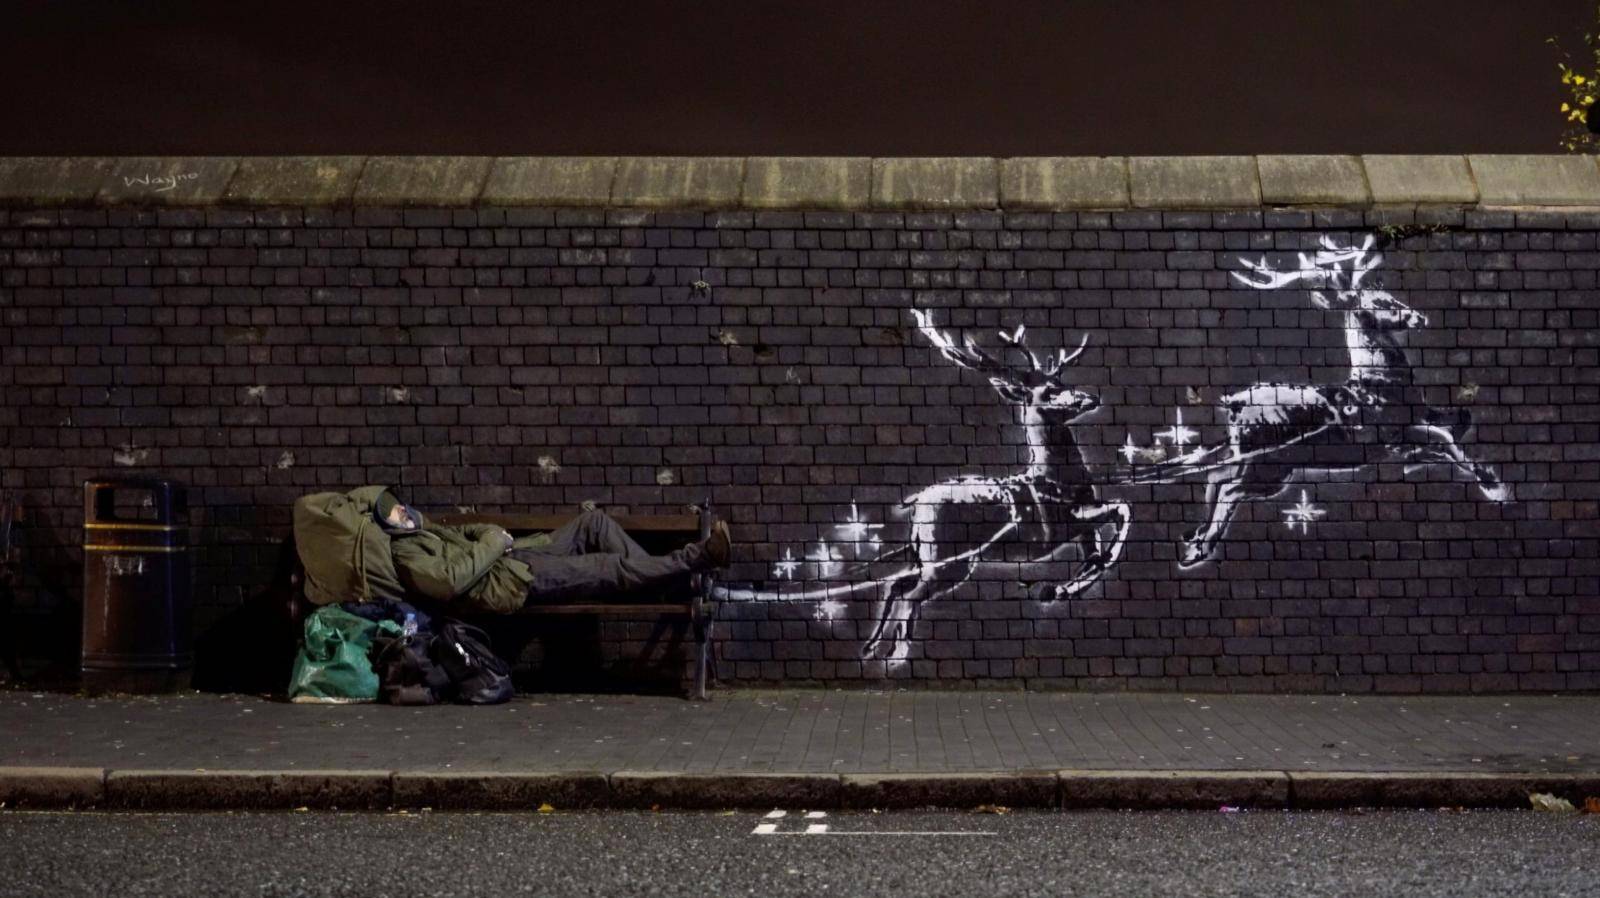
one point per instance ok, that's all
(1302, 515)
(826, 558)
(854, 528)
(785, 569)
(1177, 434)
(827, 610)
(1129, 451)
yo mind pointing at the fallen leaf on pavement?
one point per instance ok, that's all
(991, 809)
(1544, 801)
(546, 808)
(1591, 805)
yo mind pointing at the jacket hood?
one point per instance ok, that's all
(343, 548)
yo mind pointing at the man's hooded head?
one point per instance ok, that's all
(395, 516)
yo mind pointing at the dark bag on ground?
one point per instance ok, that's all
(407, 674)
(478, 675)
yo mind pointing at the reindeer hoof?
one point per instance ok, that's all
(1193, 554)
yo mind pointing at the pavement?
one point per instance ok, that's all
(800, 748)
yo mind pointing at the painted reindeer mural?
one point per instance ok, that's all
(1052, 504)
(1039, 515)
(1277, 430)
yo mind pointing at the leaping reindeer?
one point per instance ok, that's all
(1275, 429)
(1052, 503)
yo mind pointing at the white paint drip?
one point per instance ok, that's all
(285, 461)
(548, 467)
(665, 477)
(128, 455)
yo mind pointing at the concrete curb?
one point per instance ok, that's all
(1040, 184)
(186, 790)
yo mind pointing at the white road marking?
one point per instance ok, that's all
(823, 829)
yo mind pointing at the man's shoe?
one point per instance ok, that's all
(718, 546)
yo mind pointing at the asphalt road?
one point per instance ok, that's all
(1035, 853)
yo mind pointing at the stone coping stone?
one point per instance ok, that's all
(1536, 180)
(1313, 181)
(48, 180)
(295, 180)
(1194, 182)
(688, 182)
(807, 182)
(550, 181)
(950, 182)
(1050, 183)
(422, 180)
(1420, 179)
(167, 181)
(821, 183)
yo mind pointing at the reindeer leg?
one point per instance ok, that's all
(1441, 446)
(902, 597)
(1224, 490)
(1104, 554)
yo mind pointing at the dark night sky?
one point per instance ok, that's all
(865, 77)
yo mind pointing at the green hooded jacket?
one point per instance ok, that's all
(343, 549)
(350, 555)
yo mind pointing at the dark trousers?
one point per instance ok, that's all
(592, 557)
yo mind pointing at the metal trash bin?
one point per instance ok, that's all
(136, 628)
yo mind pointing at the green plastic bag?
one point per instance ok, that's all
(332, 666)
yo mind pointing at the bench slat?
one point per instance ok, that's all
(654, 608)
(529, 523)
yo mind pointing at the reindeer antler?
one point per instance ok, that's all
(969, 355)
(1325, 269)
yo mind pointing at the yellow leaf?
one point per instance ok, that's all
(1566, 77)
(1578, 79)
(1565, 107)
(546, 808)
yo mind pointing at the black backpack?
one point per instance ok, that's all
(407, 674)
(478, 675)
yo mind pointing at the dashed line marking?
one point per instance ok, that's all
(823, 829)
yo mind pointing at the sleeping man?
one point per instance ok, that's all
(368, 545)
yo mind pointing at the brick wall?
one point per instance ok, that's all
(530, 360)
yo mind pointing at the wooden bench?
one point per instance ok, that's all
(657, 533)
